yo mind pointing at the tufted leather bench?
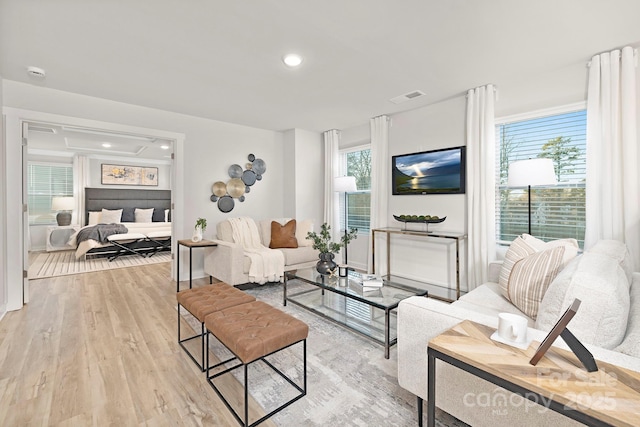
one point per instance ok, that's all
(253, 331)
(202, 301)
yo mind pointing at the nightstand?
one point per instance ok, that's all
(58, 236)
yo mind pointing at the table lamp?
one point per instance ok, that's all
(531, 173)
(64, 206)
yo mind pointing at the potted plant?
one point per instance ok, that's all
(323, 243)
(201, 226)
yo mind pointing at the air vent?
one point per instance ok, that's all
(41, 129)
(407, 96)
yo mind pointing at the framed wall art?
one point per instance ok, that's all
(129, 175)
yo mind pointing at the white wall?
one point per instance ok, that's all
(3, 222)
(208, 149)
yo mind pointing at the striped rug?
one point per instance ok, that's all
(62, 263)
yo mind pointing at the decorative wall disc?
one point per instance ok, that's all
(248, 166)
(251, 157)
(241, 199)
(259, 166)
(219, 188)
(247, 190)
(235, 187)
(259, 177)
(213, 198)
(249, 177)
(235, 171)
(226, 204)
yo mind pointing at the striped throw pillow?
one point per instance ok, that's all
(530, 278)
(518, 250)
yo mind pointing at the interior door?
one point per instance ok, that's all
(25, 216)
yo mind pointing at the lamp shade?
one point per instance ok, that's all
(62, 204)
(345, 184)
(531, 172)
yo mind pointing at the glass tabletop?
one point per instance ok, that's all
(387, 296)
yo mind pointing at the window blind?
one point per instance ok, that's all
(45, 181)
(556, 211)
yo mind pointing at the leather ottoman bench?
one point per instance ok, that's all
(253, 331)
(200, 302)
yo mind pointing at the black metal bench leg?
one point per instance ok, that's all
(420, 403)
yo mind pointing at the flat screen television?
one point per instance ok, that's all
(429, 172)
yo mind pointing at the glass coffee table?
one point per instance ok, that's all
(371, 312)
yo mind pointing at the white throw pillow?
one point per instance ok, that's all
(95, 218)
(571, 247)
(302, 228)
(111, 216)
(143, 215)
(601, 285)
(166, 215)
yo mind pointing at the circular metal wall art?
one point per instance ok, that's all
(259, 177)
(235, 171)
(226, 204)
(219, 188)
(213, 198)
(248, 166)
(241, 199)
(259, 166)
(249, 177)
(235, 187)
(251, 157)
(247, 190)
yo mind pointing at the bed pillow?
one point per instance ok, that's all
(111, 216)
(127, 215)
(144, 215)
(167, 215)
(158, 215)
(283, 236)
(94, 218)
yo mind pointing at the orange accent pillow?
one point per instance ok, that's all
(283, 236)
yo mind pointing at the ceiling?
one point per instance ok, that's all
(222, 59)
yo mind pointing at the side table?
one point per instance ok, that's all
(190, 244)
(610, 396)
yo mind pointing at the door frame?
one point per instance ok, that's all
(17, 284)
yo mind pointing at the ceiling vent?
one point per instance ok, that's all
(407, 97)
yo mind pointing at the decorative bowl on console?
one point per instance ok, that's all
(419, 219)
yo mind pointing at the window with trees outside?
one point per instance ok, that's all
(556, 211)
(357, 162)
(45, 181)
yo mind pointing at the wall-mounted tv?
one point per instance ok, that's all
(429, 172)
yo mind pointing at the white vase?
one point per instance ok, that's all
(197, 235)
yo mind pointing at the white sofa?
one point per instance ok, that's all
(227, 262)
(607, 322)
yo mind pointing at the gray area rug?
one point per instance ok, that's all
(62, 263)
(350, 383)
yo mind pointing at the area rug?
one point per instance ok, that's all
(62, 263)
(350, 383)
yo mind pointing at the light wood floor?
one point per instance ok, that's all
(101, 349)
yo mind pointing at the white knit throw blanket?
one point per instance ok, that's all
(267, 265)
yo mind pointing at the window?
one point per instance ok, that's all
(44, 181)
(357, 162)
(556, 211)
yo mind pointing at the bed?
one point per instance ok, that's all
(144, 226)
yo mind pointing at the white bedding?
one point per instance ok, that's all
(135, 229)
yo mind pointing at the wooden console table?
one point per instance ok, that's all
(388, 231)
(608, 397)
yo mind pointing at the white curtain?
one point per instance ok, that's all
(80, 182)
(380, 178)
(613, 184)
(331, 170)
(481, 146)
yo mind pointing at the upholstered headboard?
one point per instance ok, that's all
(115, 198)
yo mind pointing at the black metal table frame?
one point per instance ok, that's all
(433, 354)
(387, 343)
(190, 263)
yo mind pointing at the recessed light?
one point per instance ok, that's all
(292, 60)
(36, 72)
(164, 147)
(106, 145)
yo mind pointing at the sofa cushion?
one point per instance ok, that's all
(616, 250)
(299, 255)
(530, 277)
(602, 287)
(571, 247)
(631, 343)
(487, 299)
(283, 236)
(302, 229)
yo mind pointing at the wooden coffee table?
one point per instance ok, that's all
(609, 396)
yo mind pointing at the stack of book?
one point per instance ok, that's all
(369, 281)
